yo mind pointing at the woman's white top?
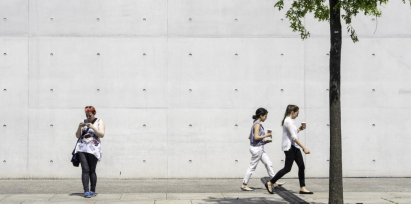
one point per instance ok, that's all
(289, 134)
(91, 144)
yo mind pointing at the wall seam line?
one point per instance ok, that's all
(28, 87)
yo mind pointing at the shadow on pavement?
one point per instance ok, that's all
(77, 194)
(284, 193)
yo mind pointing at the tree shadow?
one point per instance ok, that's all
(284, 193)
(77, 194)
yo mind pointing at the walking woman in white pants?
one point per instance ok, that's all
(257, 142)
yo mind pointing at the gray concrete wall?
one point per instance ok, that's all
(235, 56)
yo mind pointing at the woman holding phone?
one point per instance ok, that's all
(88, 149)
(257, 142)
(292, 147)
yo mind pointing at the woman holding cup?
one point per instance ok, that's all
(292, 147)
(258, 138)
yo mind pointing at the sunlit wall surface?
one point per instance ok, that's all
(177, 81)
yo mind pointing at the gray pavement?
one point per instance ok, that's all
(356, 190)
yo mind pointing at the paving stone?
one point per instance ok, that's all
(28, 197)
(250, 195)
(80, 197)
(127, 202)
(194, 196)
(3, 196)
(143, 196)
(400, 200)
(222, 201)
(173, 202)
(400, 194)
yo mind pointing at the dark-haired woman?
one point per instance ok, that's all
(88, 149)
(292, 147)
(257, 142)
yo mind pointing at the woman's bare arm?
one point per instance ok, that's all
(257, 132)
(101, 129)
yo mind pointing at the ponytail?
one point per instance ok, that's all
(290, 108)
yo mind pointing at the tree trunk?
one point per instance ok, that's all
(335, 185)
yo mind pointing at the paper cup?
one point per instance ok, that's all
(304, 124)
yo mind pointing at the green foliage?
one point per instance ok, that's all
(321, 11)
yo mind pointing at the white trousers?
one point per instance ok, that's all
(257, 154)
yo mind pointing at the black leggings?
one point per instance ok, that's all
(88, 167)
(294, 154)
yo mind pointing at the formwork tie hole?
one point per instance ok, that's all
(373, 125)
(190, 161)
(328, 54)
(282, 90)
(373, 90)
(144, 19)
(4, 19)
(98, 19)
(51, 19)
(236, 90)
(326, 90)
(373, 160)
(144, 161)
(328, 160)
(144, 89)
(236, 20)
(190, 19)
(51, 90)
(51, 161)
(373, 19)
(281, 19)
(51, 54)
(98, 54)
(4, 54)
(328, 124)
(4, 125)
(373, 54)
(98, 90)
(282, 160)
(236, 161)
(144, 54)
(236, 125)
(236, 54)
(144, 125)
(190, 125)
(4, 161)
(4, 89)
(190, 54)
(51, 125)
(282, 54)
(190, 90)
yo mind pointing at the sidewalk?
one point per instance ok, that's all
(185, 191)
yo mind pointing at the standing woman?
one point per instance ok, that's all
(292, 147)
(257, 135)
(88, 149)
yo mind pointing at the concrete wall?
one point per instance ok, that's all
(176, 83)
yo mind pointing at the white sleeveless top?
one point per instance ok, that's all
(91, 144)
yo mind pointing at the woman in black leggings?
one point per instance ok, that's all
(88, 149)
(291, 146)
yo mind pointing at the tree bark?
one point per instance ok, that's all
(335, 185)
